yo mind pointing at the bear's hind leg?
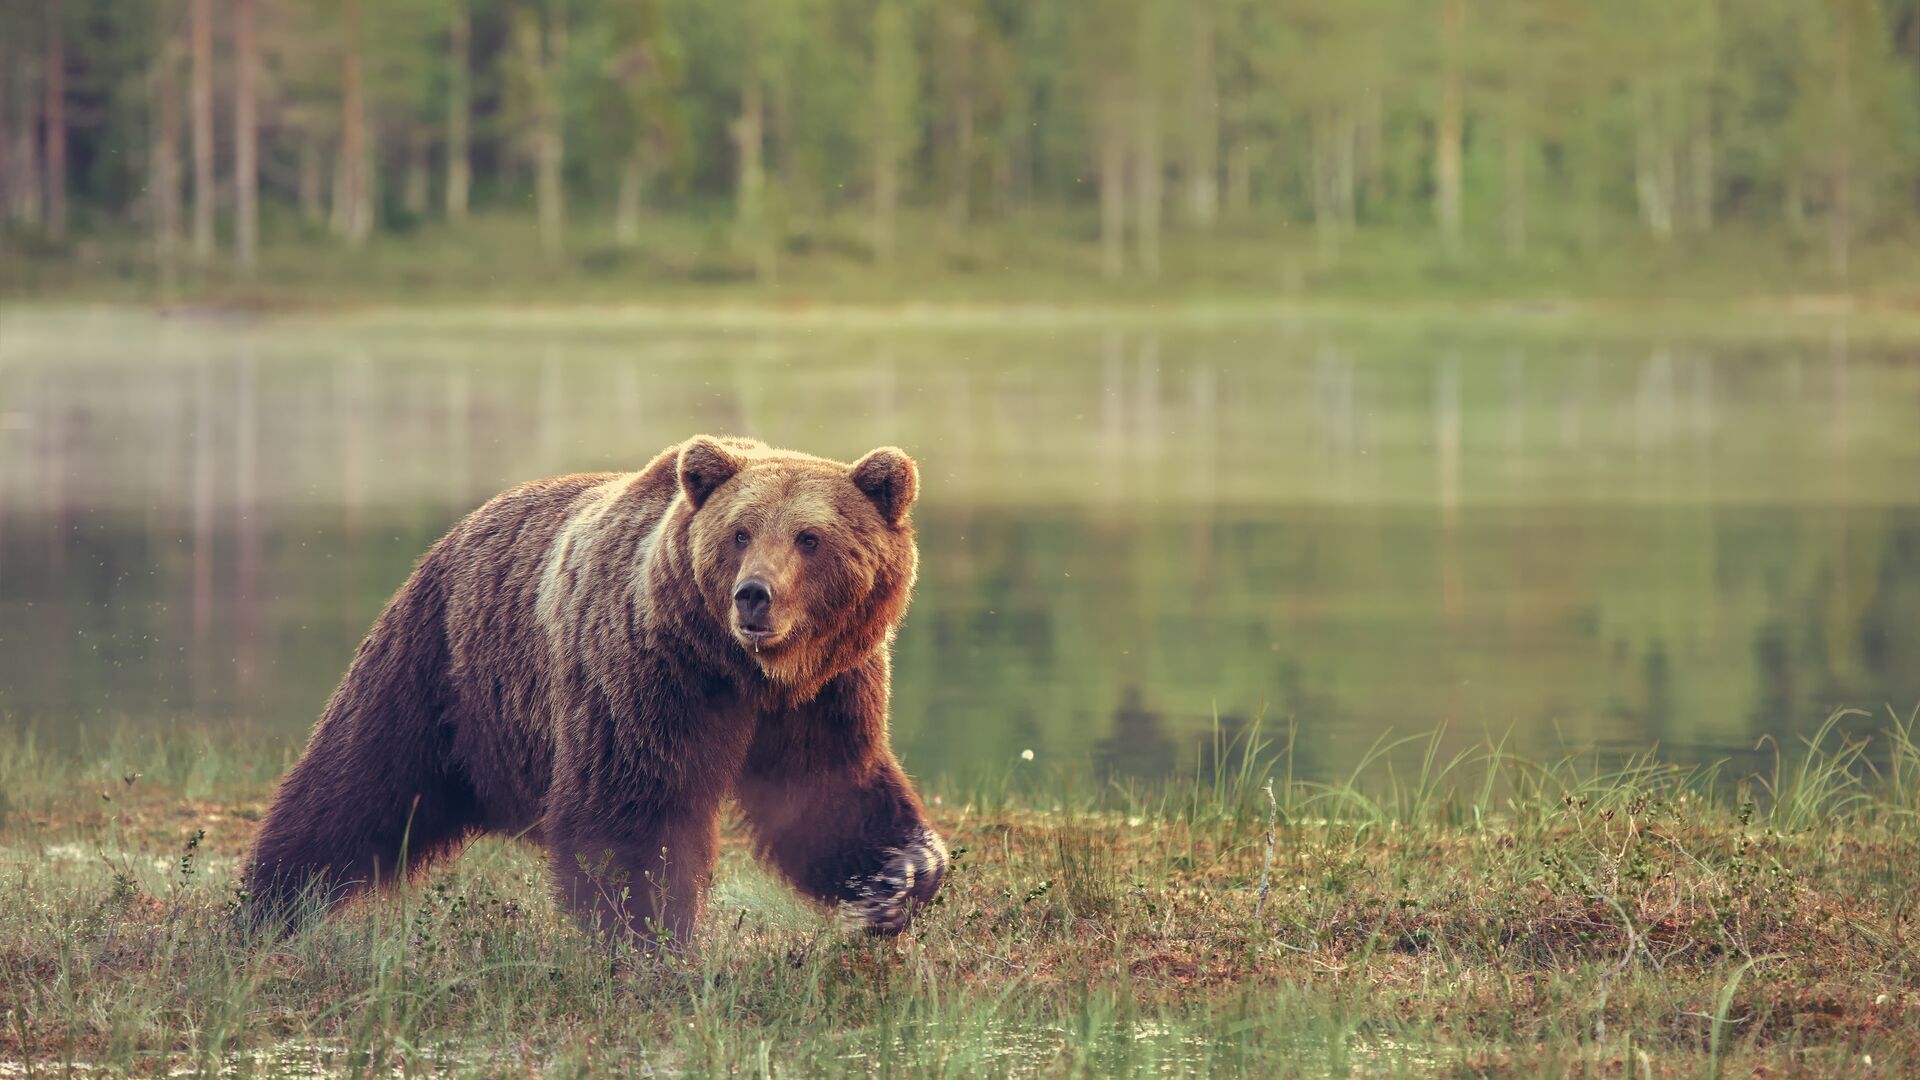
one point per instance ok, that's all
(331, 835)
(377, 789)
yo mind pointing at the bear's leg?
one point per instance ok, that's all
(375, 791)
(852, 837)
(647, 880)
(333, 832)
(831, 809)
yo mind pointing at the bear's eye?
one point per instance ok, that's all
(740, 537)
(807, 541)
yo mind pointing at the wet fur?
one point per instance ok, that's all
(560, 666)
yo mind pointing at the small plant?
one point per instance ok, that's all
(186, 866)
(1083, 863)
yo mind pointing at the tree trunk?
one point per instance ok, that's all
(1113, 188)
(1148, 181)
(165, 197)
(24, 198)
(1203, 121)
(353, 195)
(56, 124)
(626, 214)
(414, 189)
(246, 167)
(1448, 128)
(1653, 168)
(1369, 160)
(312, 208)
(459, 174)
(1346, 130)
(340, 196)
(203, 179)
(1317, 175)
(8, 179)
(1840, 219)
(1793, 202)
(750, 136)
(543, 50)
(960, 197)
(1239, 179)
(888, 88)
(1516, 184)
(1701, 147)
(961, 153)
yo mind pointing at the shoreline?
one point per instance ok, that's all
(1797, 315)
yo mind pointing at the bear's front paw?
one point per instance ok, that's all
(909, 875)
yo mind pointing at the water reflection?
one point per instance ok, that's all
(1126, 533)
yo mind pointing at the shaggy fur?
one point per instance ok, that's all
(571, 663)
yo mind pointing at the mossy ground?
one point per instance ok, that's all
(1473, 916)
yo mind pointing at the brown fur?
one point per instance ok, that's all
(568, 663)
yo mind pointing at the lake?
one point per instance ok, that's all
(1570, 533)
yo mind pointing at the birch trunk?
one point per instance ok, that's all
(353, 193)
(1448, 128)
(203, 179)
(26, 194)
(1113, 188)
(887, 86)
(626, 214)
(750, 179)
(312, 203)
(1148, 182)
(1653, 168)
(1516, 150)
(165, 196)
(340, 197)
(413, 192)
(1203, 121)
(459, 168)
(960, 197)
(246, 168)
(545, 61)
(961, 152)
(7, 177)
(1239, 179)
(1840, 219)
(56, 119)
(1701, 173)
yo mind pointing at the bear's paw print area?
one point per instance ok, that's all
(883, 903)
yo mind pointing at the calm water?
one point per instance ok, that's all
(1600, 539)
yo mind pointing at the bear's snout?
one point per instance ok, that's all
(753, 606)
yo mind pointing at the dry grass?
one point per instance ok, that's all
(1484, 916)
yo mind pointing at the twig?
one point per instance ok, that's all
(1266, 864)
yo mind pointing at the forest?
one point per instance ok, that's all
(188, 139)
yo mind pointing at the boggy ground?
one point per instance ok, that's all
(1479, 916)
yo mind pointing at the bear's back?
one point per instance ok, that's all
(521, 570)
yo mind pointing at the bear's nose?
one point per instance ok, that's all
(753, 600)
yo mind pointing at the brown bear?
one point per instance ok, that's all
(598, 661)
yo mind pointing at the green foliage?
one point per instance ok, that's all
(1585, 125)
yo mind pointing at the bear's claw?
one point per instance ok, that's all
(882, 903)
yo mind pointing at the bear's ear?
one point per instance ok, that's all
(888, 477)
(704, 465)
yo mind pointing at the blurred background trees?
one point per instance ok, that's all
(213, 129)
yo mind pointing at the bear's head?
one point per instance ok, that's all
(807, 563)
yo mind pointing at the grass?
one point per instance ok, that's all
(1473, 914)
(1042, 253)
